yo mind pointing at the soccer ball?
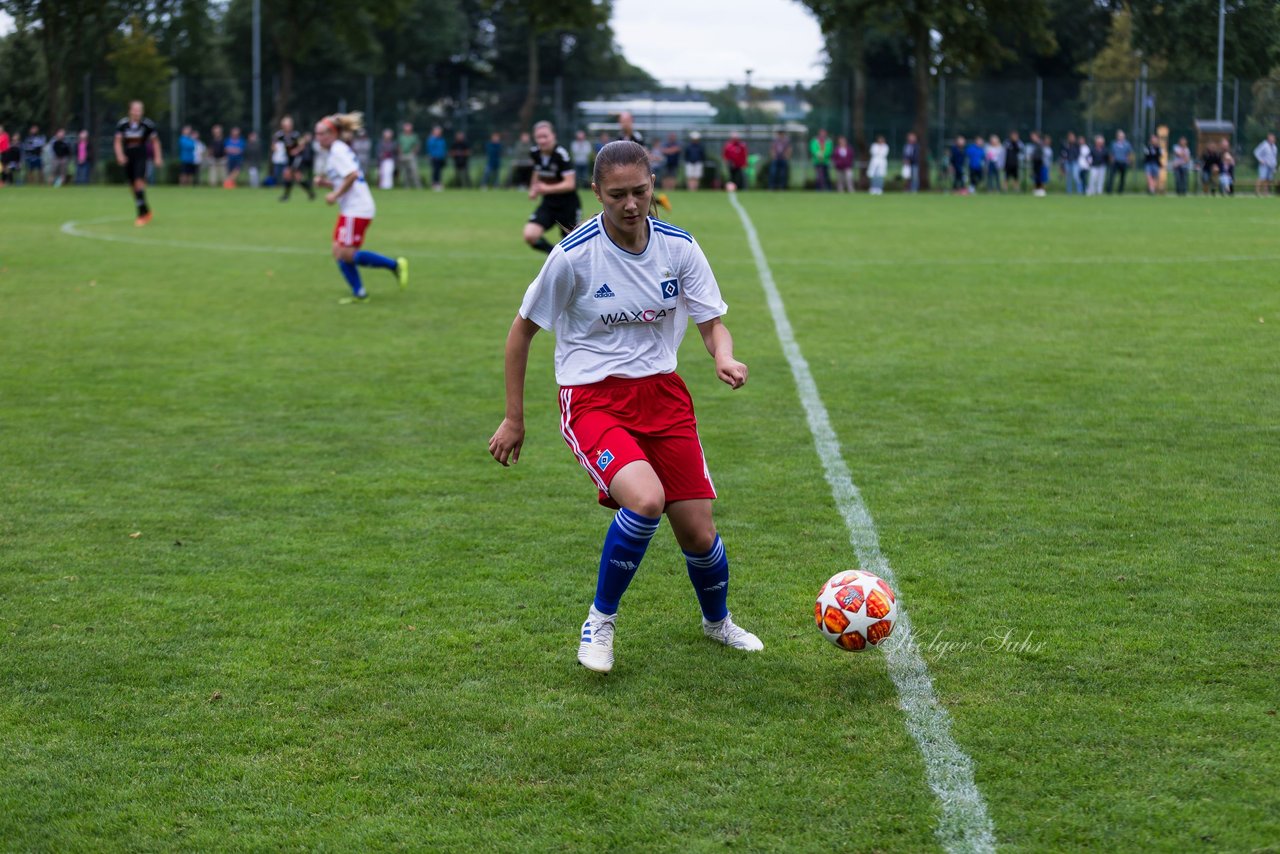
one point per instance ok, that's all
(855, 608)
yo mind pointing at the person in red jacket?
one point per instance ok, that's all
(735, 155)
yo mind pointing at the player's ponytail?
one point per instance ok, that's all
(622, 152)
(346, 124)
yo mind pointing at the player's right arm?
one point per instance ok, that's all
(505, 444)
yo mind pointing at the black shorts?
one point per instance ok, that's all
(563, 210)
(135, 167)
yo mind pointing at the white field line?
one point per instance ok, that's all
(1087, 261)
(75, 229)
(963, 825)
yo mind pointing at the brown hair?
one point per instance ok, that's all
(622, 152)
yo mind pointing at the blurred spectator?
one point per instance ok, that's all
(279, 157)
(842, 161)
(460, 151)
(1210, 169)
(1121, 154)
(1097, 166)
(600, 143)
(362, 146)
(956, 158)
(253, 159)
(201, 150)
(671, 152)
(995, 162)
(734, 154)
(1181, 165)
(656, 159)
(975, 155)
(33, 155)
(216, 156)
(878, 166)
(580, 152)
(235, 158)
(1013, 162)
(627, 128)
(1084, 163)
(780, 162)
(1227, 173)
(10, 158)
(492, 162)
(1151, 157)
(84, 158)
(1046, 144)
(4, 140)
(407, 159)
(820, 153)
(1036, 164)
(388, 151)
(186, 156)
(911, 163)
(694, 159)
(437, 153)
(1067, 158)
(1265, 153)
(61, 156)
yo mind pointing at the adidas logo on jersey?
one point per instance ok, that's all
(604, 292)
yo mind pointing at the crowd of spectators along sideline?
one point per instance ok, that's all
(1087, 167)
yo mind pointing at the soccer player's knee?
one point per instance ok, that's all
(651, 503)
(699, 542)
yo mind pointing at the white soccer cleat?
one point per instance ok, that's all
(731, 635)
(595, 652)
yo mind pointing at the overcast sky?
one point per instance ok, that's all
(715, 41)
(710, 41)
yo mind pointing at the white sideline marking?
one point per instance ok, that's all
(73, 228)
(76, 228)
(964, 824)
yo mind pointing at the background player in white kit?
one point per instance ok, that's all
(351, 193)
(619, 293)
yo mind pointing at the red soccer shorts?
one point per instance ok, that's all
(618, 421)
(350, 231)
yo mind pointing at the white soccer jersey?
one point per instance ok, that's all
(616, 313)
(358, 201)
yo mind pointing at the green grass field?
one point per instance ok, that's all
(262, 587)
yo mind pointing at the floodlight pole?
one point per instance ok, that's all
(1222, 22)
(257, 69)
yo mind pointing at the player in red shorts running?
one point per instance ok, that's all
(618, 293)
(355, 203)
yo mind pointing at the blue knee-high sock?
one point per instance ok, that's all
(710, 576)
(624, 548)
(373, 259)
(353, 277)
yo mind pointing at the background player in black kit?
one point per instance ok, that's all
(555, 181)
(293, 146)
(134, 134)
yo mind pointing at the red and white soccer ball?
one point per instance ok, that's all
(855, 609)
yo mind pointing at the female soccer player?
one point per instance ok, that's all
(133, 133)
(618, 294)
(554, 181)
(355, 203)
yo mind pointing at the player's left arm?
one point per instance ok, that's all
(719, 343)
(159, 150)
(341, 189)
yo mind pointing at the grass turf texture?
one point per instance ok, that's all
(343, 626)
